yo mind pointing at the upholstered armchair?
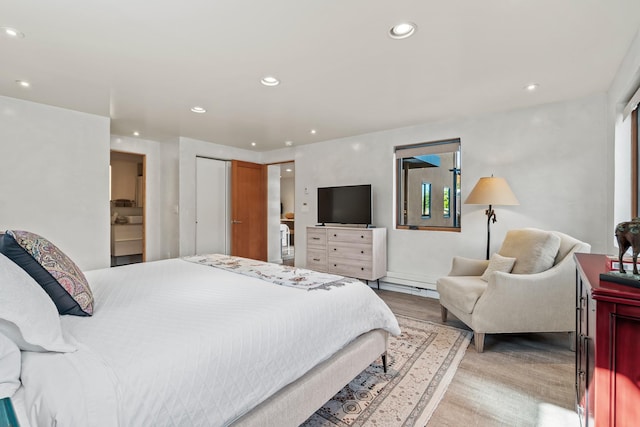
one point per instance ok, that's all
(528, 286)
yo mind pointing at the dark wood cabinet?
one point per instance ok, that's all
(607, 347)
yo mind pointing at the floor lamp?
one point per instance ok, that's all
(491, 191)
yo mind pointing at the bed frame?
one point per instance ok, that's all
(296, 402)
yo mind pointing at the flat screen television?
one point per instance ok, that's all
(349, 204)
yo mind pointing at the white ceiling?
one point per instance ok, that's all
(146, 63)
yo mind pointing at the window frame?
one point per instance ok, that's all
(455, 199)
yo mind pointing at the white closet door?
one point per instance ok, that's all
(212, 206)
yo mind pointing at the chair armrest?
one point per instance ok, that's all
(461, 266)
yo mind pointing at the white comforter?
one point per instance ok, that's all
(173, 343)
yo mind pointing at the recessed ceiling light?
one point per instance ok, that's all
(313, 132)
(402, 30)
(288, 143)
(12, 32)
(198, 110)
(136, 133)
(253, 144)
(287, 170)
(23, 83)
(531, 87)
(270, 81)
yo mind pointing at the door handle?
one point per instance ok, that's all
(235, 221)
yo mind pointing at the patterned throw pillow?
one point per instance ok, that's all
(52, 269)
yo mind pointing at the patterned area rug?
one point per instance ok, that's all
(421, 364)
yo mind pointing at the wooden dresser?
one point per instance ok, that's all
(607, 347)
(351, 252)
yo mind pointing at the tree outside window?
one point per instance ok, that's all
(446, 197)
(426, 199)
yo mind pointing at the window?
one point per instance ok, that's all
(428, 186)
(446, 212)
(426, 200)
(631, 109)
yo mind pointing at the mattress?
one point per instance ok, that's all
(174, 343)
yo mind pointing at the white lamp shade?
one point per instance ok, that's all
(492, 191)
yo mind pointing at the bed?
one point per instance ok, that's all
(187, 342)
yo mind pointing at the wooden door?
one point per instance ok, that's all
(249, 210)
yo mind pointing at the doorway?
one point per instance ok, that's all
(213, 205)
(287, 212)
(127, 204)
(249, 210)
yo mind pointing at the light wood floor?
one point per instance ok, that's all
(519, 379)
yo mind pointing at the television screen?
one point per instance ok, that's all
(345, 205)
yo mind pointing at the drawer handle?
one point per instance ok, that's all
(335, 235)
(335, 249)
(316, 259)
(361, 252)
(315, 238)
(362, 268)
(335, 265)
(361, 236)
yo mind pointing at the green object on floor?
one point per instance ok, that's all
(7, 414)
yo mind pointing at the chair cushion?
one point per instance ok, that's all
(498, 263)
(461, 292)
(534, 250)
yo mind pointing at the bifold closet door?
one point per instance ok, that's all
(212, 206)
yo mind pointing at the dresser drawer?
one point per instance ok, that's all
(350, 269)
(316, 237)
(317, 260)
(356, 251)
(349, 236)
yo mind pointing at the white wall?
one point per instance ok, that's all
(55, 178)
(558, 159)
(551, 155)
(189, 149)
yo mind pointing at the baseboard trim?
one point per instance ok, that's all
(406, 289)
(412, 280)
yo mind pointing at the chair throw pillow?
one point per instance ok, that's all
(534, 250)
(58, 275)
(498, 263)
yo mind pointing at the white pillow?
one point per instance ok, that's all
(498, 263)
(10, 366)
(28, 316)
